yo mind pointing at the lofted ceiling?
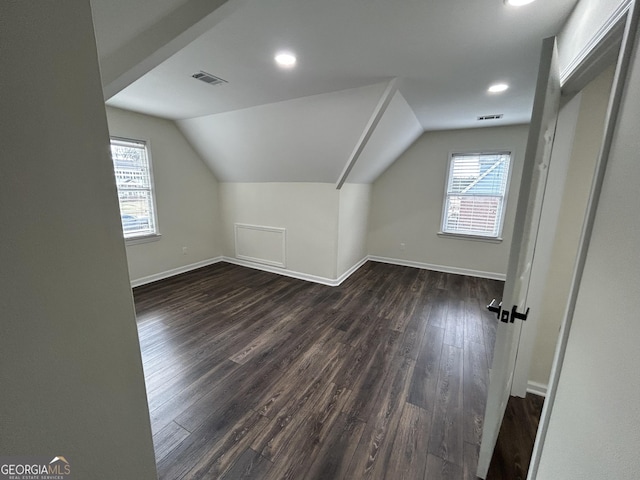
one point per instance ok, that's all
(303, 124)
(289, 141)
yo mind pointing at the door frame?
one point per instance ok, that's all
(601, 51)
(629, 21)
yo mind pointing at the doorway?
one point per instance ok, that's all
(579, 132)
(534, 206)
(580, 128)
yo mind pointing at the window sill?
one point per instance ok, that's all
(475, 238)
(142, 239)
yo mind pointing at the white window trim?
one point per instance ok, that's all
(143, 239)
(153, 236)
(480, 238)
(475, 238)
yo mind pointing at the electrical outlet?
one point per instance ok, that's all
(403, 246)
(184, 250)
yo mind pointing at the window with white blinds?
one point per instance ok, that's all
(134, 180)
(475, 195)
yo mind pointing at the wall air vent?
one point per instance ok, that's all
(490, 117)
(208, 78)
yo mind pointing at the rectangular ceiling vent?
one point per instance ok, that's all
(208, 78)
(490, 117)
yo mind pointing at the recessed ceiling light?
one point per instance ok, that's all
(497, 88)
(517, 3)
(285, 59)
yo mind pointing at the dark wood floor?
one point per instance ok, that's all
(258, 376)
(512, 454)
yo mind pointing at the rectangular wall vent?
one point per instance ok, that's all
(208, 78)
(261, 244)
(490, 117)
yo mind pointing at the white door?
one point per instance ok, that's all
(525, 234)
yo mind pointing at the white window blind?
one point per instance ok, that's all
(135, 187)
(475, 194)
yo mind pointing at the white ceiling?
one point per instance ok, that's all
(397, 130)
(304, 139)
(129, 18)
(445, 53)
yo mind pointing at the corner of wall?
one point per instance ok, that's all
(352, 226)
(406, 202)
(187, 198)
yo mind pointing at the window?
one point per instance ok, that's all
(475, 197)
(135, 188)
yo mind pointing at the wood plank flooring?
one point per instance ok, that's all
(257, 376)
(517, 435)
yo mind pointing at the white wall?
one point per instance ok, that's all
(308, 212)
(594, 429)
(592, 104)
(406, 205)
(353, 216)
(186, 197)
(70, 366)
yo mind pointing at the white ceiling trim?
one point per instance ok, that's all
(604, 43)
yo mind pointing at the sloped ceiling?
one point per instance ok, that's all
(130, 17)
(444, 53)
(135, 36)
(306, 139)
(397, 130)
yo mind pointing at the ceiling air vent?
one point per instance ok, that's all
(208, 78)
(490, 117)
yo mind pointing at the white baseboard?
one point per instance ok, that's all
(315, 278)
(537, 388)
(174, 271)
(282, 271)
(257, 266)
(439, 268)
(351, 271)
(299, 275)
